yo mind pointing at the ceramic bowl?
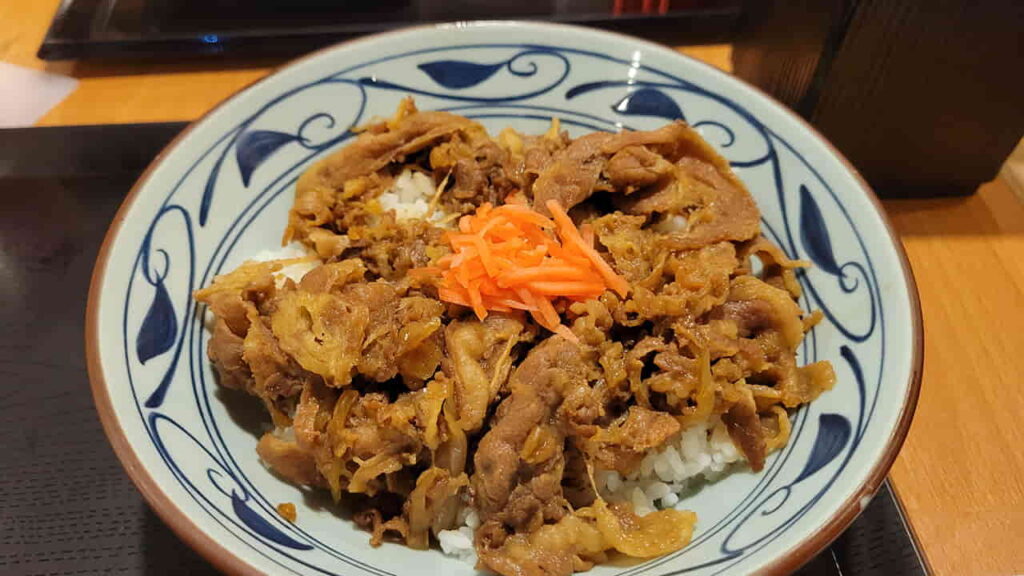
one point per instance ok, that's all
(221, 191)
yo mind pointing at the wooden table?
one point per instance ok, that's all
(960, 475)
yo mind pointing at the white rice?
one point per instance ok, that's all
(458, 543)
(670, 224)
(702, 453)
(296, 271)
(293, 250)
(409, 196)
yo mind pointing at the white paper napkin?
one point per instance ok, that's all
(26, 95)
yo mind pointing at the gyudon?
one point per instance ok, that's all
(521, 347)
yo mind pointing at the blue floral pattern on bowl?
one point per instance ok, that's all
(221, 195)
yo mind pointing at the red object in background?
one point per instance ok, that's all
(634, 7)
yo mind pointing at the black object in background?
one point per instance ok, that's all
(66, 506)
(102, 28)
(923, 96)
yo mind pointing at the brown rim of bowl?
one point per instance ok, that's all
(225, 561)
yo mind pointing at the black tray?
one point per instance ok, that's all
(102, 28)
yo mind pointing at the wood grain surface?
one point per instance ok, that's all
(960, 475)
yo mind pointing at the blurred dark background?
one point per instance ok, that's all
(923, 96)
(91, 28)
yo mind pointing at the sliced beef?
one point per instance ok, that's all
(757, 307)
(364, 328)
(573, 173)
(536, 154)
(230, 295)
(745, 430)
(576, 483)
(573, 544)
(317, 190)
(276, 375)
(576, 172)
(769, 329)
(634, 251)
(367, 438)
(244, 352)
(323, 332)
(636, 167)
(432, 506)
(289, 461)
(225, 352)
(776, 268)
(478, 360)
(390, 248)
(724, 211)
(624, 444)
(508, 491)
(402, 336)
(475, 168)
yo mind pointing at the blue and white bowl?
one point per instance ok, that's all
(220, 194)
